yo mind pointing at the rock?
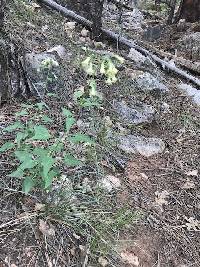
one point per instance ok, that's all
(60, 50)
(110, 183)
(134, 115)
(153, 33)
(138, 58)
(139, 144)
(189, 46)
(44, 71)
(147, 82)
(34, 60)
(190, 91)
(84, 32)
(132, 20)
(165, 108)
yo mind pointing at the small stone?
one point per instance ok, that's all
(70, 25)
(59, 49)
(192, 173)
(82, 39)
(139, 144)
(165, 108)
(188, 185)
(190, 91)
(84, 32)
(137, 114)
(130, 258)
(103, 262)
(136, 56)
(110, 183)
(147, 82)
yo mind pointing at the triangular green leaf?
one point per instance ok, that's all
(17, 174)
(67, 113)
(49, 178)
(47, 163)
(27, 185)
(71, 161)
(69, 123)
(23, 155)
(26, 106)
(41, 133)
(28, 164)
(22, 113)
(57, 147)
(40, 105)
(45, 118)
(40, 152)
(7, 146)
(81, 138)
(13, 127)
(19, 137)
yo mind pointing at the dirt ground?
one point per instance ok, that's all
(164, 188)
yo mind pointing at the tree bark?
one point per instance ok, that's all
(4, 84)
(89, 9)
(190, 10)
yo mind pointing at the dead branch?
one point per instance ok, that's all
(121, 40)
(185, 63)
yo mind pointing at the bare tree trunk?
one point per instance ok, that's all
(172, 6)
(4, 84)
(190, 10)
(89, 9)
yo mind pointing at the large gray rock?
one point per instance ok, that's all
(44, 71)
(191, 92)
(136, 114)
(139, 144)
(139, 59)
(189, 46)
(147, 82)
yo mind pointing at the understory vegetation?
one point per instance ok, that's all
(99, 166)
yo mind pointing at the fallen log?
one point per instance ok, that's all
(120, 40)
(193, 67)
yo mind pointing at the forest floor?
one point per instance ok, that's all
(147, 213)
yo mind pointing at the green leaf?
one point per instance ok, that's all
(45, 118)
(40, 152)
(71, 161)
(47, 163)
(17, 174)
(28, 164)
(69, 123)
(41, 133)
(49, 178)
(19, 137)
(27, 185)
(26, 106)
(7, 146)
(67, 113)
(81, 138)
(40, 105)
(13, 127)
(22, 113)
(88, 102)
(78, 94)
(57, 147)
(23, 155)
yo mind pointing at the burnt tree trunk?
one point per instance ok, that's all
(89, 9)
(4, 84)
(190, 10)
